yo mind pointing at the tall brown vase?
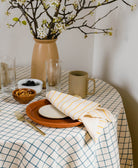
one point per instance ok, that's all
(43, 50)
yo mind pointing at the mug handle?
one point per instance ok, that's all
(93, 86)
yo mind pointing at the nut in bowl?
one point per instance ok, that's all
(24, 95)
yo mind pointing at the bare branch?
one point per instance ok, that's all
(84, 24)
(104, 16)
(126, 3)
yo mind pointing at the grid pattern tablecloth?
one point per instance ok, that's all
(23, 147)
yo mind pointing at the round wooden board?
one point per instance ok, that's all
(32, 112)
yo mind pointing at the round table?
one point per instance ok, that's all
(21, 146)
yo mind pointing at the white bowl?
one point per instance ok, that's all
(37, 88)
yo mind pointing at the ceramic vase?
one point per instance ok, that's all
(42, 52)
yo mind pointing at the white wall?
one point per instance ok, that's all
(116, 61)
(113, 59)
(74, 50)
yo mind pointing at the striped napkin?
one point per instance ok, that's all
(89, 113)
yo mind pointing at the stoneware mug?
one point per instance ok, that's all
(78, 83)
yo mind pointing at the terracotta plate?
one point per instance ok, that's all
(32, 112)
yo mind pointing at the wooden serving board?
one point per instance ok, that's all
(32, 112)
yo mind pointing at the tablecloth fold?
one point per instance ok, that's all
(90, 113)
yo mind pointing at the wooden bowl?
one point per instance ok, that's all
(24, 95)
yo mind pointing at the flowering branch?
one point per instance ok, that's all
(48, 18)
(92, 26)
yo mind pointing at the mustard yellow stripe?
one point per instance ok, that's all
(71, 104)
(81, 110)
(62, 99)
(57, 97)
(76, 107)
(106, 115)
(93, 107)
(102, 109)
(97, 113)
(87, 112)
(98, 132)
(53, 95)
(48, 94)
(103, 121)
(66, 101)
(99, 126)
(96, 139)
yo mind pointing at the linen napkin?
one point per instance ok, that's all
(88, 112)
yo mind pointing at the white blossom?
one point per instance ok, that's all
(60, 26)
(53, 3)
(41, 32)
(71, 16)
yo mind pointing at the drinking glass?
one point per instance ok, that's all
(7, 74)
(53, 75)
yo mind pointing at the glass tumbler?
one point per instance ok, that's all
(53, 75)
(7, 74)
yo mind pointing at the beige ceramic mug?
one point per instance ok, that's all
(78, 83)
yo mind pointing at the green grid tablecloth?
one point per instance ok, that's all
(23, 147)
